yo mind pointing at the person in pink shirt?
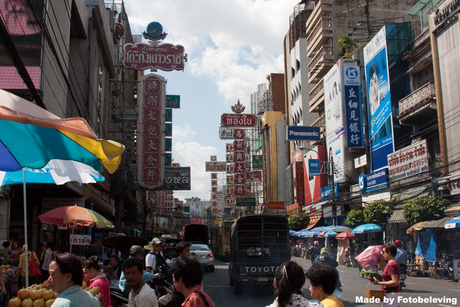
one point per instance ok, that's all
(188, 278)
(97, 278)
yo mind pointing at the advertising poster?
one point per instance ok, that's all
(313, 183)
(195, 213)
(379, 100)
(353, 110)
(335, 130)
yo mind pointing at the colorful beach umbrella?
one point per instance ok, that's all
(345, 235)
(367, 228)
(55, 172)
(75, 215)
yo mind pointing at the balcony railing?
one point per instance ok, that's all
(317, 89)
(325, 50)
(325, 22)
(421, 38)
(320, 122)
(424, 93)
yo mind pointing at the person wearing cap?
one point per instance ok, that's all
(401, 254)
(155, 259)
(325, 259)
(136, 251)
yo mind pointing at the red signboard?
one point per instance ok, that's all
(238, 120)
(292, 209)
(239, 167)
(275, 205)
(164, 57)
(238, 157)
(239, 134)
(216, 166)
(299, 183)
(150, 145)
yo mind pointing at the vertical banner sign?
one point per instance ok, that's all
(353, 109)
(335, 130)
(299, 183)
(151, 124)
(379, 100)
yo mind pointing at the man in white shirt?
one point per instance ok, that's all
(151, 259)
(141, 295)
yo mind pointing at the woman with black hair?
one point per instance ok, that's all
(323, 279)
(97, 278)
(187, 277)
(288, 282)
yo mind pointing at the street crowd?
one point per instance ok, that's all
(68, 274)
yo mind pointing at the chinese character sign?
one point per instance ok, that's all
(151, 131)
(353, 109)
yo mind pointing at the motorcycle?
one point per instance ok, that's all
(162, 288)
(402, 276)
(446, 267)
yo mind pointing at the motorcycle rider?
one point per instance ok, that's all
(154, 261)
(314, 251)
(138, 252)
(325, 258)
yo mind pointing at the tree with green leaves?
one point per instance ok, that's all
(378, 212)
(355, 218)
(424, 209)
(298, 221)
(347, 44)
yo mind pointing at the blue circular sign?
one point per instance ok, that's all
(362, 182)
(155, 29)
(351, 73)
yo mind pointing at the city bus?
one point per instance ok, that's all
(220, 239)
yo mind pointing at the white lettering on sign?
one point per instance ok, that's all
(303, 133)
(260, 269)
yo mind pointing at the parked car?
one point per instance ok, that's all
(204, 255)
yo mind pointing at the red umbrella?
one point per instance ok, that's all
(321, 235)
(345, 235)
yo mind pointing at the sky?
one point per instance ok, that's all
(232, 45)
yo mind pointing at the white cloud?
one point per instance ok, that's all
(244, 38)
(194, 155)
(184, 131)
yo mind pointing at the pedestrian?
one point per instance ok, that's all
(92, 249)
(401, 254)
(187, 277)
(4, 252)
(323, 280)
(21, 271)
(390, 275)
(177, 298)
(140, 295)
(136, 251)
(97, 278)
(13, 254)
(288, 282)
(66, 277)
(410, 249)
(314, 251)
(352, 251)
(48, 256)
(114, 271)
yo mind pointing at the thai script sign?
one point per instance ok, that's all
(216, 166)
(238, 120)
(409, 162)
(173, 101)
(275, 205)
(303, 133)
(177, 178)
(165, 57)
(292, 209)
(151, 140)
(80, 239)
(378, 179)
(247, 201)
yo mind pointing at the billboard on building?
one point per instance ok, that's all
(195, 213)
(25, 32)
(352, 106)
(409, 163)
(336, 131)
(378, 100)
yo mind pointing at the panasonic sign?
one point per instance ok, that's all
(302, 133)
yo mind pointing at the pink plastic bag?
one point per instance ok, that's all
(369, 258)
